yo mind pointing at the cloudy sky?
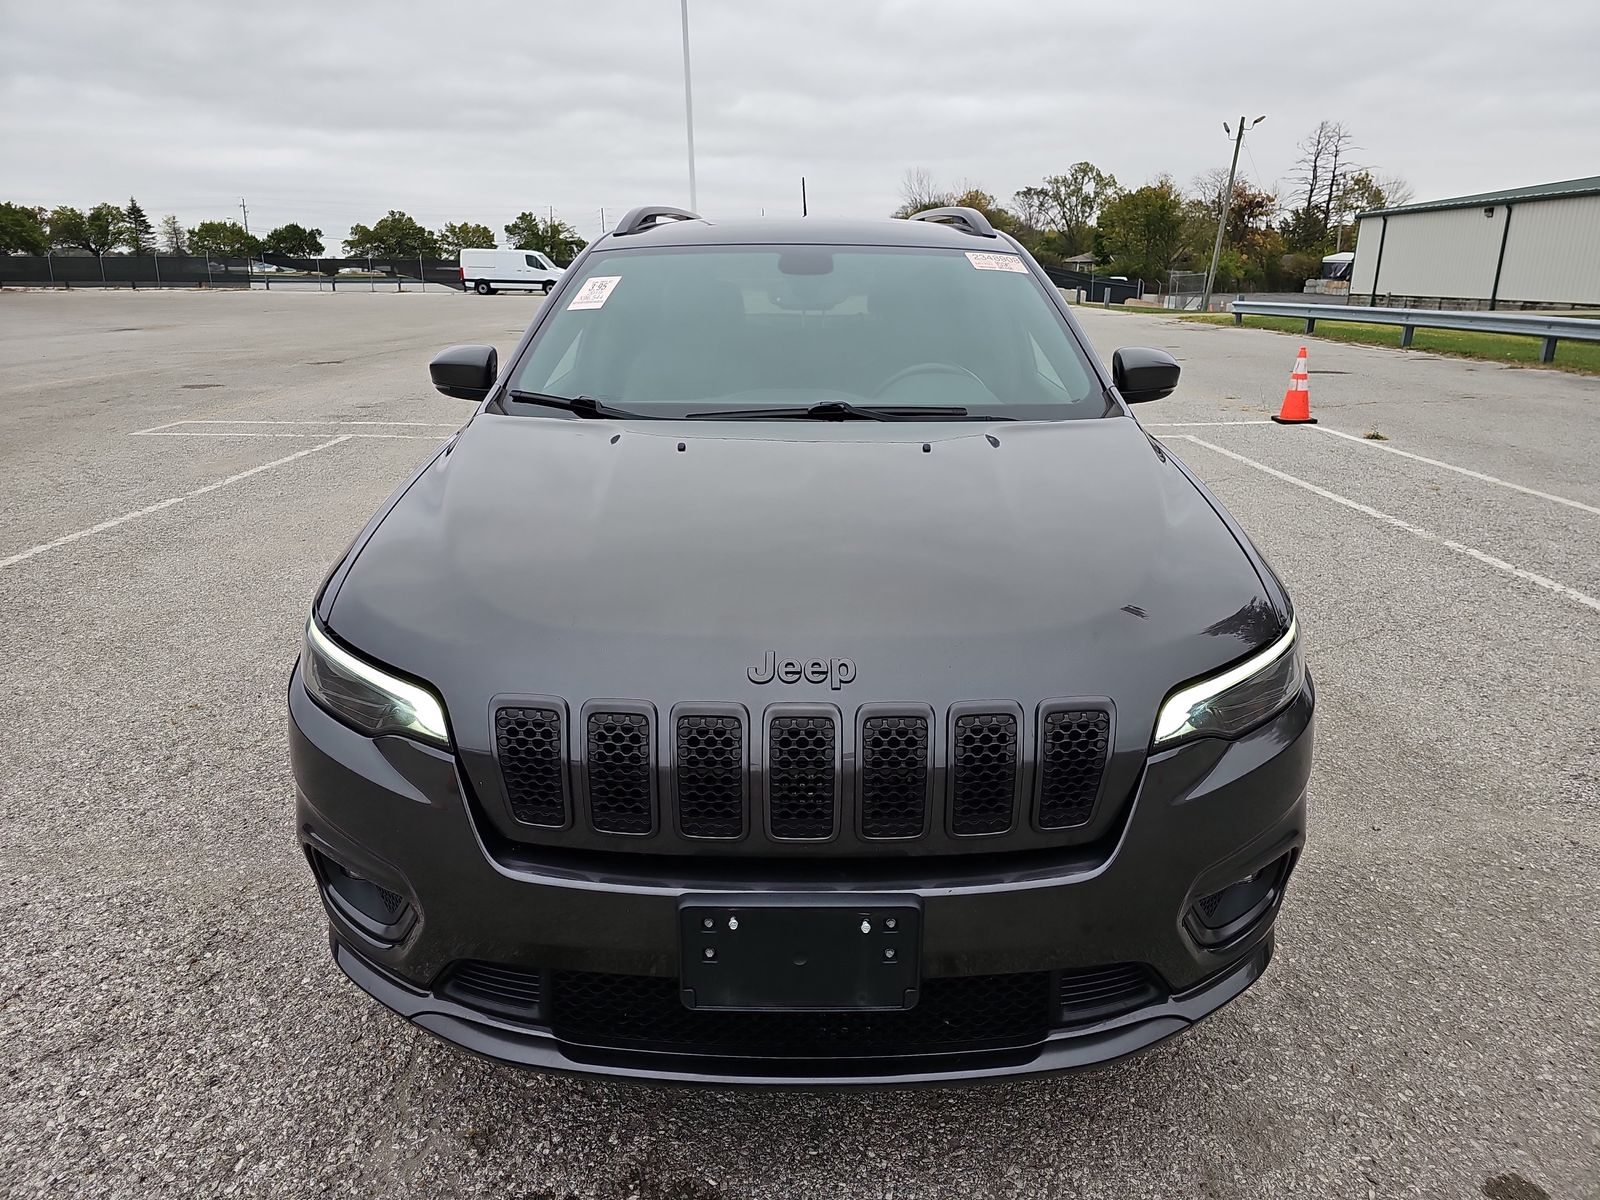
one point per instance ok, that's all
(332, 112)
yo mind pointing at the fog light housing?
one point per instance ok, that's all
(1225, 914)
(376, 910)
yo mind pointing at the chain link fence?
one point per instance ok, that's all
(1185, 290)
(266, 271)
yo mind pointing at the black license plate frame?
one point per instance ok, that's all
(800, 952)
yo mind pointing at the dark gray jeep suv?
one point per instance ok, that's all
(802, 668)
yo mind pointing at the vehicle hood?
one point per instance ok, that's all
(661, 561)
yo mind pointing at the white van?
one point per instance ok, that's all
(489, 271)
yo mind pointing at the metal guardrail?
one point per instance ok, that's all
(1549, 329)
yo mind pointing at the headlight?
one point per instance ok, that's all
(1239, 699)
(372, 700)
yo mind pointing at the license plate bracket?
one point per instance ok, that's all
(800, 953)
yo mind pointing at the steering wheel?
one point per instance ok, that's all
(928, 368)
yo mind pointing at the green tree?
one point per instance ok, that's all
(393, 236)
(22, 230)
(174, 237)
(294, 241)
(553, 236)
(225, 239)
(469, 234)
(67, 228)
(1069, 204)
(104, 225)
(1142, 230)
(138, 235)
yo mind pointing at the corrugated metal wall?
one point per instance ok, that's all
(1368, 234)
(1552, 253)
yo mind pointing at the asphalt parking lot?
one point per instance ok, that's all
(178, 470)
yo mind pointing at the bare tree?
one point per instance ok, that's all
(1322, 168)
(1396, 191)
(918, 192)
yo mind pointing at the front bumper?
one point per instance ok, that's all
(401, 816)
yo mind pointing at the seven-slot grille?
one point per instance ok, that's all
(711, 771)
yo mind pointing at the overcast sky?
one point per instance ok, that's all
(333, 112)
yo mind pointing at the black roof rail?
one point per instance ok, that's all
(637, 220)
(970, 220)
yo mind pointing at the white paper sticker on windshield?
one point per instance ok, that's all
(595, 292)
(996, 262)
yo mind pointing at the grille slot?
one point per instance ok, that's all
(1099, 992)
(894, 776)
(645, 1013)
(1072, 758)
(708, 762)
(618, 774)
(802, 776)
(983, 772)
(496, 988)
(528, 741)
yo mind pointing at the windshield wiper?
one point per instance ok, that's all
(582, 406)
(833, 410)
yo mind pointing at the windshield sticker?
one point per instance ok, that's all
(595, 292)
(996, 262)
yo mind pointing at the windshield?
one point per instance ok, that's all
(678, 330)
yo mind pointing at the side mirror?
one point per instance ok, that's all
(465, 372)
(1143, 374)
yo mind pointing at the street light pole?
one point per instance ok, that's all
(1227, 203)
(688, 105)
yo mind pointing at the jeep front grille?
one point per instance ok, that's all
(802, 777)
(1072, 759)
(894, 776)
(532, 762)
(983, 769)
(708, 776)
(800, 774)
(620, 772)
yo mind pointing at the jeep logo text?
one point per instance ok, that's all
(835, 672)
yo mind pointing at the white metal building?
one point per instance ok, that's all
(1532, 247)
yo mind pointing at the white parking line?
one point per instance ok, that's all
(1467, 471)
(1499, 564)
(103, 526)
(180, 432)
(1196, 424)
(263, 421)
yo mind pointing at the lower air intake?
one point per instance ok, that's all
(642, 1012)
(1100, 992)
(495, 988)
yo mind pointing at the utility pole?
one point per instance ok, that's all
(246, 213)
(688, 105)
(1227, 203)
(803, 210)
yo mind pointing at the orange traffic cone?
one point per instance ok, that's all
(1297, 400)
